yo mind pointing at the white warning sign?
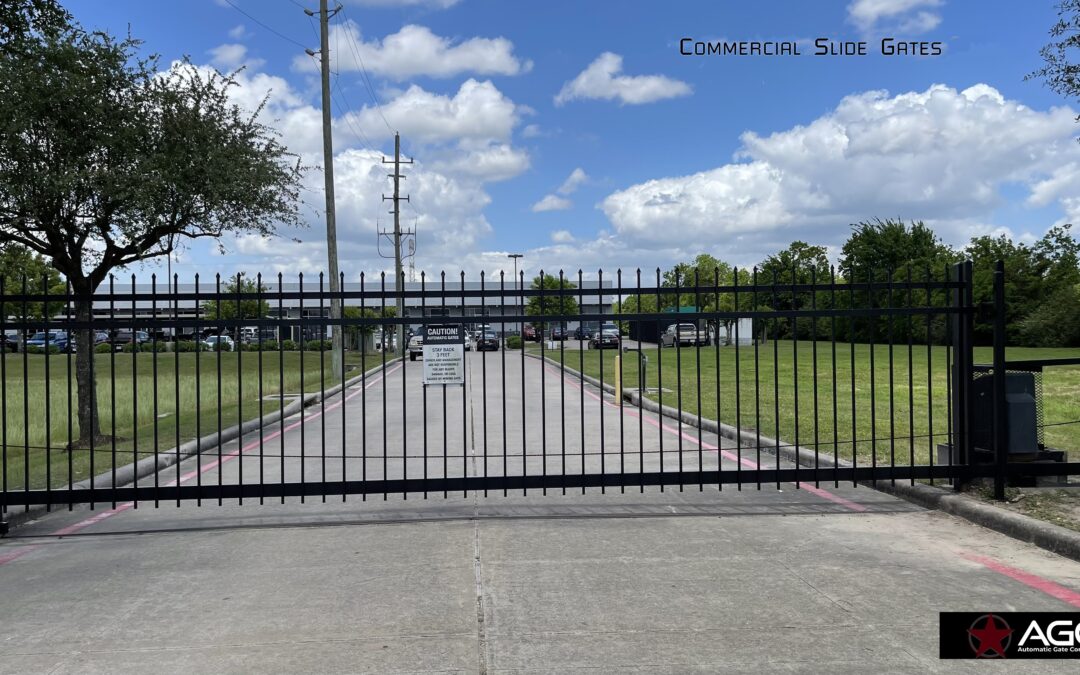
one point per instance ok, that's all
(444, 354)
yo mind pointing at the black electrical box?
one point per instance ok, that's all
(1020, 411)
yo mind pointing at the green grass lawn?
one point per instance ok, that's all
(137, 411)
(864, 419)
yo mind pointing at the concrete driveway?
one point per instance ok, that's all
(792, 580)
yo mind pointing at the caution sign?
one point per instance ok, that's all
(444, 354)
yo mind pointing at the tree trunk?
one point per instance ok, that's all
(84, 374)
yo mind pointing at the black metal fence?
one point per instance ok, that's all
(754, 380)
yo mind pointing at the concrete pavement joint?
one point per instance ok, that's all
(478, 566)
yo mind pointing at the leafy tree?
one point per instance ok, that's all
(356, 335)
(635, 304)
(1061, 73)
(799, 264)
(1036, 275)
(227, 310)
(106, 161)
(22, 20)
(879, 247)
(880, 250)
(1054, 323)
(553, 303)
(17, 263)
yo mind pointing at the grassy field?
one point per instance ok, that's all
(133, 416)
(865, 418)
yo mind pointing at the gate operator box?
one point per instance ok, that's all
(1020, 411)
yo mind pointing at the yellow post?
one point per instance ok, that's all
(618, 380)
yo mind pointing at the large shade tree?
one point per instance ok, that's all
(107, 160)
(558, 302)
(1061, 57)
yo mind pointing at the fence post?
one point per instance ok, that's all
(1001, 422)
(961, 340)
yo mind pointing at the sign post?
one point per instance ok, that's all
(444, 354)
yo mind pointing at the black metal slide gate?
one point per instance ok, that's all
(232, 392)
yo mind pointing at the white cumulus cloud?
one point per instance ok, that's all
(942, 155)
(434, 4)
(416, 51)
(573, 181)
(552, 203)
(477, 112)
(603, 80)
(232, 56)
(906, 16)
(555, 202)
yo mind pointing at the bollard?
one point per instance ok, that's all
(618, 378)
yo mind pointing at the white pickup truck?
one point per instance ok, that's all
(684, 334)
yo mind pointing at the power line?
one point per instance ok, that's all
(364, 140)
(364, 75)
(275, 32)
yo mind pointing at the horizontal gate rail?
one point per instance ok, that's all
(462, 484)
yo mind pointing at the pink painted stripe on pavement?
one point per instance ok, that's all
(1028, 579)
(820, 492)
(120, 508)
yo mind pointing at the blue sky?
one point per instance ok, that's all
(575, 132)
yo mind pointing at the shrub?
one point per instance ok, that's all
(103, 348)
(186, 346)
(129, 348)
(513, 342)
(289, 346)
(35, 349)
(318, 345)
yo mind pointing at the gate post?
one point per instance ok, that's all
(1001, 422)
(961, 340)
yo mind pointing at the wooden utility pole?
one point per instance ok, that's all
(399, 277)
(328, 178)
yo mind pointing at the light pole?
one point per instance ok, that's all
(521, 325)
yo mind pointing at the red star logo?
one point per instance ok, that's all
(993, 639)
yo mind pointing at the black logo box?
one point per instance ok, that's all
(444, 334)
(961, 635)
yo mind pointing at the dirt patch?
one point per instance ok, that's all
(1060, 506)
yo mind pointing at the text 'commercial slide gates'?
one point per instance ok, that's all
(231, 392)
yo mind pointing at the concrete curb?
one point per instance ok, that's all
(129, 473)
(1053, 538)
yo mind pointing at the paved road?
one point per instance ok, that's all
(840, 579)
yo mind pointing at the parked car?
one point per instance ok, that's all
(56, 338)
(222, 343)
(488, 343)
(604, 339)
(582, 333)
(557, 333)
(101, 337)
(122, 338)
(684, 334)
(528, 332)
(416, 347)
(9, 342)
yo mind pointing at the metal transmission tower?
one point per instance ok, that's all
(328, 174)
(399, 277)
